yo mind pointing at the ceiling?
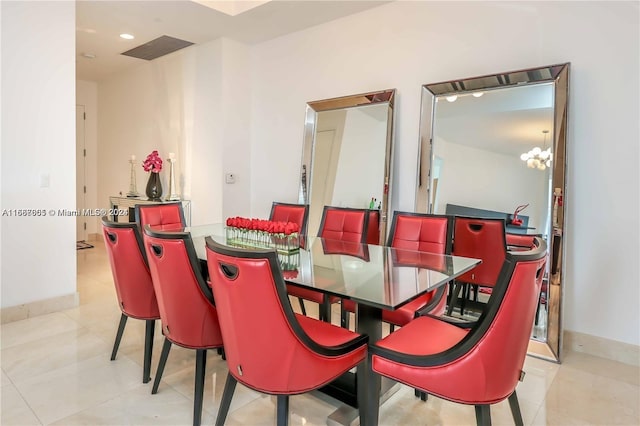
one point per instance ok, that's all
(99, 24)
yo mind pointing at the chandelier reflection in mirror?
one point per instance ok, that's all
(538, 158)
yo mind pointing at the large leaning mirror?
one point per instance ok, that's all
(494, 144)
(347, 158)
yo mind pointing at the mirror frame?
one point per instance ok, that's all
(558, 75)
(352, 101)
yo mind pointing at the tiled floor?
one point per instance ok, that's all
(56, 370)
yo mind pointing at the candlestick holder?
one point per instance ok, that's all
(173, 196)
(133, 191)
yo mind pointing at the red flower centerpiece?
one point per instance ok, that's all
(153, 164)
(260, 233)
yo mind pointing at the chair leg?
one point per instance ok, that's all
(324, 313)
(282, 408)
(198, 394)
(227, 395)
(150, 327)
(515, 409)
(302, 308)
(116, 344)
(344, 317)
(420, 394)
(483, 415)
(166, 347)
(454, 297)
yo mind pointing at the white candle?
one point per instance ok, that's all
(171, 155)
(133, 158)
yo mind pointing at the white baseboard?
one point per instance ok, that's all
(40, 307)
(601, 347)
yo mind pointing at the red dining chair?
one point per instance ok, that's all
(187, 309)
(299, 214)
(480, 239)
(415, 232)
(476, 363)
(303, 353)
(168, 216)
(134, 289)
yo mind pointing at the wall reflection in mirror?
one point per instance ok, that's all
(347, 157)
(492, 146)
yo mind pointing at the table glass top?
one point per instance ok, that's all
(375, 275)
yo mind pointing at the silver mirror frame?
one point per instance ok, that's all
(312, 110)
(557, 74)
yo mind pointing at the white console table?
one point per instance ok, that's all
(121, 202)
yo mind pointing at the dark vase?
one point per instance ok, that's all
(154, 187)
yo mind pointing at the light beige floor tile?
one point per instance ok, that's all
(102, 315)
(15, 410)
(5, 381)
(304, 409)
(603, 367)
(33, 329)
(65, 391)
(183, 381)
(592, 398)
(34, 358)
(139, 407)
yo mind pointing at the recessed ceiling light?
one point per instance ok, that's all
(452, 98)
(477, 94)
(127, 36)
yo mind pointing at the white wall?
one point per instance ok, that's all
(194, 103)
(87, 96)
(407, 44)
(38, 138)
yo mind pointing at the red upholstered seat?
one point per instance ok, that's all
(268, 347)
(187, 310)
(165, 216)
(416, 232)
(475, 363)
(136, 296)
(480, 239)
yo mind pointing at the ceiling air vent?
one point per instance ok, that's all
(156, 48)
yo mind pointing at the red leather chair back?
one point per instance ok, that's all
(189, 317)
(265, 346)
(296, 213)
(167, 216)
(345, 224)
(481, 239)
(136, 296)
(421, 232)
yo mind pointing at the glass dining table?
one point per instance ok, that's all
(375, 277)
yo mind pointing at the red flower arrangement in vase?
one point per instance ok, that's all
(260, 233)
(153, 164)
